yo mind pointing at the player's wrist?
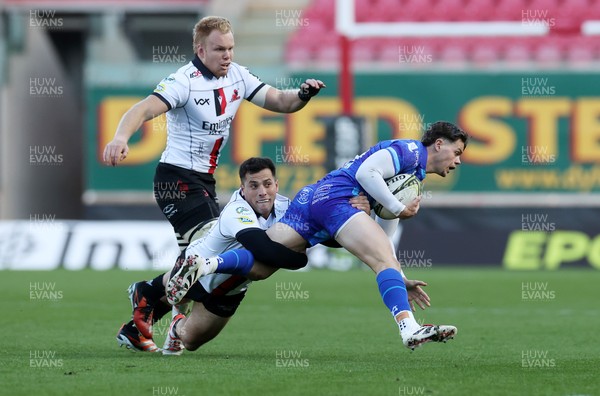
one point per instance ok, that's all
(305, 93)
(119, 138)
(399, 209)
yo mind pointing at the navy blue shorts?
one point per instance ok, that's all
(319, 210)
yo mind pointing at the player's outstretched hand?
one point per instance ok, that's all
(416, 295)
(310, 88)
(115, 151)
(361, 202)
(411, 209)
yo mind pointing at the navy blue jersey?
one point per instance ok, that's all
(319, 210)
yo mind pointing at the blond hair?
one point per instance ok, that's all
(207, 25)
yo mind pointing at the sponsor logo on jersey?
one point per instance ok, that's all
(303, 195)
(162, 85)
(195, 74)
(242, 209)
(217, 128)
(412, 146)
(170, 210)
(220, 101)
(245, 220)
(202, 101)
(235, 96)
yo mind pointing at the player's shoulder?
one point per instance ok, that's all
(241, 71)
(237, 68)
(180, 76)
(404, 144)
(412, 153)
(237, 213)
(187, 70)
(237, 205)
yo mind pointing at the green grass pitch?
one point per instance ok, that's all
(312, 333)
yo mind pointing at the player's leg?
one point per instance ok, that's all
(129, 336)
(285, 235)
(237, 261)
(260, 271)
(365, 239)
(204, 323)
(197, 329)
(148, 305)
(188, 201)
(284, 232)
(148, 298)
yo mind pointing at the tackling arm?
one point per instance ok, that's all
(269, 252)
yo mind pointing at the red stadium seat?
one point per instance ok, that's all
(388, 51)
(363, 10)
(365, 50)
(415, 10)
(447, 10)
(479, 10)
(323, 11)
(580, 56)
(485, 52)
(564, 17)
(510, 10)
(548, 54)
(576, 8)
(517, 52)
(544, 5)
(593, 11)
(454, 53)
(298, 55)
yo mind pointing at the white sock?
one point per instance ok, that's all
(408, 325)
(211, 265)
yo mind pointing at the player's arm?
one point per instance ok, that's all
(372, 174)
(117, 149)
(288, 101)
(269, 252)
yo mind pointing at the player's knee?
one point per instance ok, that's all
(192, 346)
(199, 231)
(257, 276)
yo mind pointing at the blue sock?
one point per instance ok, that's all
(235, 262)
(393, 291)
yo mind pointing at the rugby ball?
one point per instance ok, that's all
(405, 188)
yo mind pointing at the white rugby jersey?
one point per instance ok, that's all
(201, 109)
(236, 216)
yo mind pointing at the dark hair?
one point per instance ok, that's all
(255, 165)
(445, 130)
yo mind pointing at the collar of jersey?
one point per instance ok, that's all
(202, 67)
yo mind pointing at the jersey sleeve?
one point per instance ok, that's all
(237, 216)
(405, 156)
(174, 90)
(252, 82)
(372, 174)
